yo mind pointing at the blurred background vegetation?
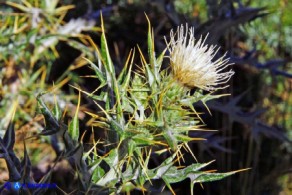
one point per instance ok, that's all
(41, 48)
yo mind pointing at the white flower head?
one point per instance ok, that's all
(192, 62)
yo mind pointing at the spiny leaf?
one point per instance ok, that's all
(150, 76)
(98, 171)
(184, 138)
(113, 86)
(6, 152)
(160, 60)
(170, 138)
(74, 124)
(105, 52)
(174, 175)
(158, 63)
(9, 137)
(26, 167)
(98, 72)
(207, 177)
(150, 42)
(124, 77)
(14, 173)
(80, 46)
(52, 124)
(56, 110)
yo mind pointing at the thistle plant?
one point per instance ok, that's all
(145, 111)
(150, 110)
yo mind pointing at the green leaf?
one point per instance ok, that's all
(124, 77)
(185, 138)
(150, 76)
(174, 175)
(158, 64)
(105, 53)
(52, 124)
(56, 110)
(170, 138)
(111, 76)
(74, 124)
(98, 72)
(97, 174)
(150, 43)
(79, 46)
(207, 177)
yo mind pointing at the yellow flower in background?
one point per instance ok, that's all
(192, 62)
